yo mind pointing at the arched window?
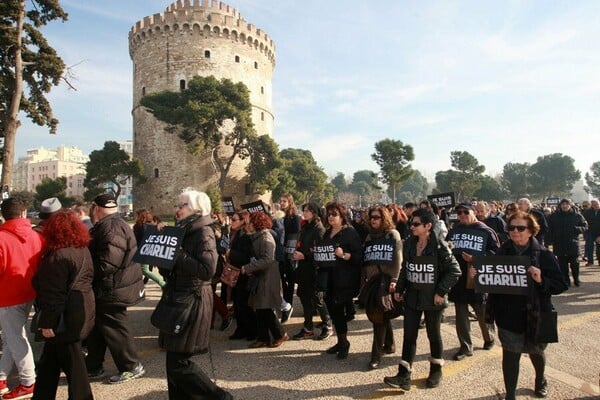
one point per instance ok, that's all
(237, 59)
(262, 90)
(262, 116)
(143, 90)
(206, 53)
(156, 172)
(255, 65)
(182, 84)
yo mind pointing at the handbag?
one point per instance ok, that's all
(545, 329)
(35, 321)
(174, 310)
(230, 275)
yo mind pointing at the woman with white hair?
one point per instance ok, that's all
(192, 272)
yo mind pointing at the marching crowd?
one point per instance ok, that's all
(77, 269)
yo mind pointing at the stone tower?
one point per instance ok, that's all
(194, 37)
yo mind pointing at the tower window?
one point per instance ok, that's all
(206, 53)
(262, 116)
(237, 59)
(262, 90)
(182, 84)
(255, 65)
(143, 90)
(156, 172)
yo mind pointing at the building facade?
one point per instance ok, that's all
(194, 38)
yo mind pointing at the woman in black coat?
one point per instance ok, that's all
(192, 272)
(65, 300)
(516, 324)
(340, 261)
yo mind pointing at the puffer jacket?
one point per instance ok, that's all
(194, 267)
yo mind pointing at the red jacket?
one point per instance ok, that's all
(20, 252)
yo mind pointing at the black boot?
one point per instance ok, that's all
(402, 379)
(435, 374)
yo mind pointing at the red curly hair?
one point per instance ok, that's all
(261, 221)
(65, 229)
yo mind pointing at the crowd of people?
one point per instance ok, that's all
(76, 268)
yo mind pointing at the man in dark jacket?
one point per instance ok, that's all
(118, 283)
(470, 237)
(565, 226)
(592, 235)
(525, 205)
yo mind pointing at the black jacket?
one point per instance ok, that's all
(117, 278)
(510, 311)
(565, 228)
(593, 219)
(306, 273)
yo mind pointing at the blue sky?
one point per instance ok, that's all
(507, 81)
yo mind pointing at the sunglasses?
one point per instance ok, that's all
(180, 205)
(462, 212)
(333, 214)
(415, 224)
(375, 217)
(520, 228)
(235, 219)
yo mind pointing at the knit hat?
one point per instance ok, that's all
(49, 207)
(314, 208)
(106, 200)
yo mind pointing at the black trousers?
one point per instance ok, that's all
(245, 318)
(383, 339)
(569, 261)
(186, 381)
(510, 370)
(433, 320)
(267, 322)
(288, 280)
(338, 315)
(68, 358)
(111, 330)
(311, 302)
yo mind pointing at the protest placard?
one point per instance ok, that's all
(160, 248)
(470, 241)
(255, 206)
(380, 251)
(324, 255)
(420, 271)
(442, 199)
(228, 207)
(501, 274)
(553, 201)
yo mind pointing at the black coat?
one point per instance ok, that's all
(306, 273)
(59, 293)
(192, 272)
(593, 219)
(510, 311)
(118, 279)
(565, 228)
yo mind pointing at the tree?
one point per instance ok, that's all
(52, 188)
(490, 189)
(366, 186)
(393, 157)
(554, 175)
(215, 196)
(264, 166)
(593, 180)
(110, 165)
(413, 189)
(210, 113)
(29, 68)
(302, 177)
(464, 180)
(339, 182)
(516, 179)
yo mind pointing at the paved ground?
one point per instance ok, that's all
(300, 369)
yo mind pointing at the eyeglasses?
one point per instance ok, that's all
(520, 228)
(180, 205)
(462, 212)
(375, 217)
(415, 224)
(333, 214)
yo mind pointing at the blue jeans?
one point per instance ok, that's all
(589, 246)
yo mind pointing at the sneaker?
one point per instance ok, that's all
(304, 334)
(488, 345)
(286, 315)
(3, 387)
(128, 375)
(20, 392)
(325, 333)
(96, 373)
(460, 355)
(473, 316)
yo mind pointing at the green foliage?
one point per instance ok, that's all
(339, 182)
(393, 157)
(110, 165)
(464, 180)
(516, 179)
(52, 188)
(210, 113)
(263, 168)
(490, 189)
(365, 185)
(553, 175)
(214, 194)
(413, 189)
(24, 88)
(302, 177)
(592, 180)
(26, 197)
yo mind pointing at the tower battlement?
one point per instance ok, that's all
(202, 17)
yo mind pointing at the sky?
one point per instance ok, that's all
(507, 81)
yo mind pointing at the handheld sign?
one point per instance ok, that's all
(380, 251)
(228, 207)
(255, 206)
(442, 199)
(501, 274)
(324, 255)
(553, 201)
(160, 248)
(420, 271)
(470, 241)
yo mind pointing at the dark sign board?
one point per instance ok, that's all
(553, 201)
(380, 251)
(255, 206)
(470, 241)
(501, 274)
(324, 255)
(442, 199)
(420, 271)
(160, 248)
(228, 207)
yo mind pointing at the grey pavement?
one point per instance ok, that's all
(300, 369)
